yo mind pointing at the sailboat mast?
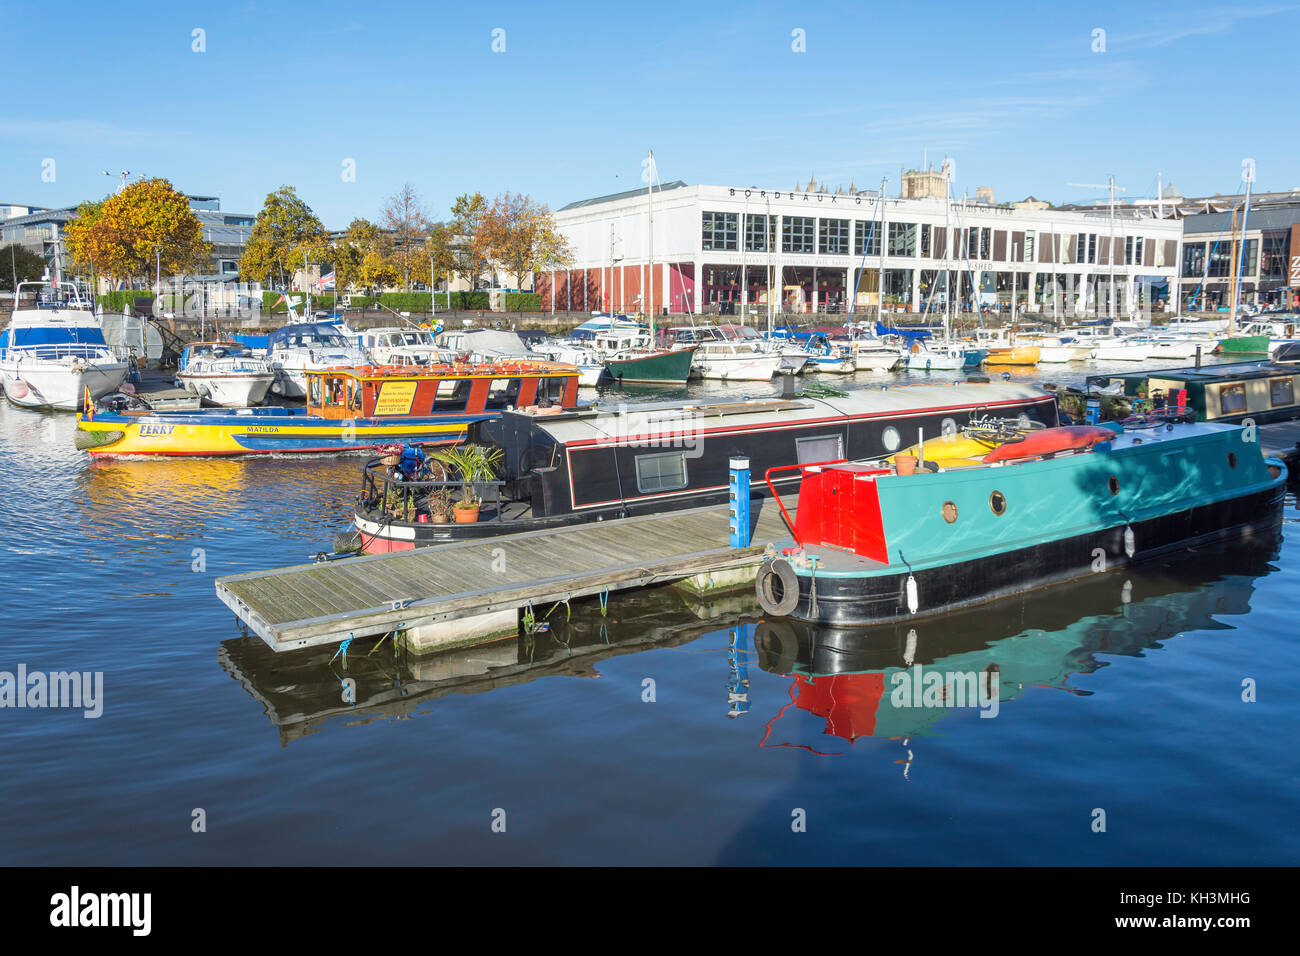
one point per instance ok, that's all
(880, 277)
(1249, 176)
(650, 240)
(947, 244)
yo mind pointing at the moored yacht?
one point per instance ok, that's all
(54, 352)
(718, 357)
(294, 350)
(224, 373)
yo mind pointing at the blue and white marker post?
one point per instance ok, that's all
(738, 502)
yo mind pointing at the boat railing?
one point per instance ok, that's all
(801, 467)
(70, 350)
(390, 493)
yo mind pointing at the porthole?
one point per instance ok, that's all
(891, 438)
(948, 427)
(1113, 484)
(998, 503)
(1232, 459)
(949, 512)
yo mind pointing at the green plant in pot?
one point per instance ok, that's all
(471, 463)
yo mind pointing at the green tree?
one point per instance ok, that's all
(284, 224)
(21, 261)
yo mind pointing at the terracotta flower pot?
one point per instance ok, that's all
(906, 464)
(465, 515)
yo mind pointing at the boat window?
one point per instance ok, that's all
(1281, 391)
(949, 512)
(313, 389)
(891, 438)
(819, 448)
(998, 503)
(662, 472)
(1113, 484)
(1232, 398)
(948, 427)
(503, 392)
(452, 395)
(551, 389)
(1232, 459)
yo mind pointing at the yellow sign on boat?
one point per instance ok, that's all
(395, 398)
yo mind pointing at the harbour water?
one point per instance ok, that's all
(664, 731)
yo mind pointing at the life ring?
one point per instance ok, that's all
(778, 588)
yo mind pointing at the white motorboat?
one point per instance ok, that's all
(727, 360)
(294, 350)
(1120, 349)
(936, 358)
(869, 355)
(225, 373)
(54, 352)
(392, 345)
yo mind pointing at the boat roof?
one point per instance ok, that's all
(1206, 373)
(527, 369)
(628, 422)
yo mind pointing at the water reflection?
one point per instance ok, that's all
(848, 681)
(899, 681)
(303, 691)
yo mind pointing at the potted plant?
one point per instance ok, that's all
(440, 506)
(471, 463)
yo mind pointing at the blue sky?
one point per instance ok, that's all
(287, 92)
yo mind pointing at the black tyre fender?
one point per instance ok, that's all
(778, 588)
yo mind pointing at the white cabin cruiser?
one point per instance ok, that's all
(225, 373)
(397, 346)
(294, 350)
(54, 352)
(718, 357)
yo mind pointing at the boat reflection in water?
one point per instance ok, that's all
(899, 680)
(843, 677)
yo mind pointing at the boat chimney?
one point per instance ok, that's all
(787, 386)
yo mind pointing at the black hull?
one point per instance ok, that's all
(881, 599)
(423, 533)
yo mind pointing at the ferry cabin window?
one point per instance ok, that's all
(452, 395)
(1232, 399)
(503, 392)
(664, 472)
(313, 389)
(819, 448)
(1281, 391)
(551, 389)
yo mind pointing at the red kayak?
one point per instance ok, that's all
(1047, 441)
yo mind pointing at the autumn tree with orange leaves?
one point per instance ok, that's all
(145, 228)
(520, 236)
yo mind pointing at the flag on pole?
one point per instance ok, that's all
(325, 282)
